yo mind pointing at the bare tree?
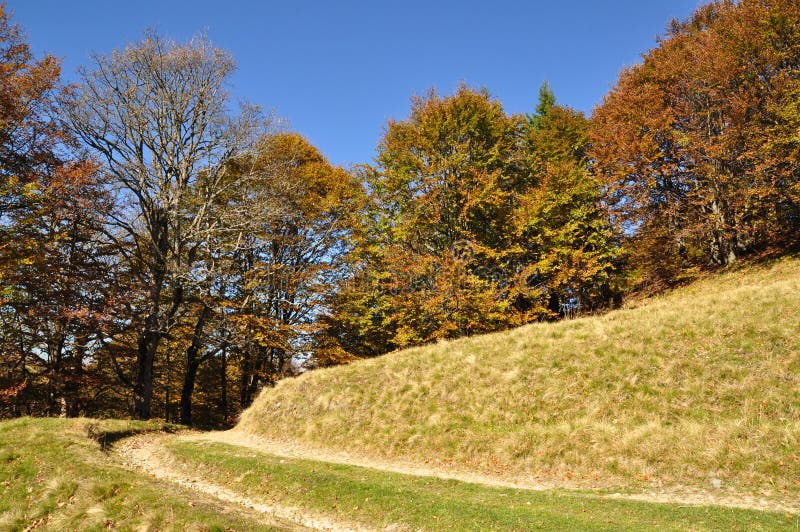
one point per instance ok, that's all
(157, 115)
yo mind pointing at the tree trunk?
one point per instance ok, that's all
(187, 391)
(156, 324)
(145, 358)
(723, 242)
(193, 361)
(245, 378)
(224, 384)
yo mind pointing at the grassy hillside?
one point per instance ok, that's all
(55, 475)
(699, 387)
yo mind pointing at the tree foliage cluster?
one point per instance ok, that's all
(164, 253)
(477, 221)
(697, 146)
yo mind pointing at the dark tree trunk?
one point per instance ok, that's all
(187, 391)
(147, 347)
(193, 361)
(145, 358)
(223, 400)
(157, 323)
(245, 378)
(73, 393)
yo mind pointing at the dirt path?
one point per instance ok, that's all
(684, 496)
(147, 453)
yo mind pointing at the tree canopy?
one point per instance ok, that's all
(164, 252)
(696, 146)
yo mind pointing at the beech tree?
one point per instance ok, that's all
(477, 221)
(55, 278)
(289, 258)
(695, 145)
(57, 297)
(432, 264)
(26, 151)
(156, 114)
(566, 251)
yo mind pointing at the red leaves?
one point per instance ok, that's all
(11, 393)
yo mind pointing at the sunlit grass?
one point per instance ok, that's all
(54, 477)
(401, 502)
(694, 387)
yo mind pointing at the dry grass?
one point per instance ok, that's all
(697, 386)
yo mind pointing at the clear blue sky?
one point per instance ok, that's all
(338, 70)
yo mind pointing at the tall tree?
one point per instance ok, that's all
(26, 88)
(566, 251)
(156, 114)
(53, 277)
(28, 139)
(477, 221)
(298, 218)
(56, 300)
(430, 262)
(695, 146)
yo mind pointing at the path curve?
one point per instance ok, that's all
(146, 452)
(685, 496)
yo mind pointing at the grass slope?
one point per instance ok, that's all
(53, 476)
(698, 387)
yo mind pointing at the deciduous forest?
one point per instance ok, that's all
(166, 252)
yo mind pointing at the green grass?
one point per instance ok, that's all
(380, 499)
(702, 383)
(53, 476)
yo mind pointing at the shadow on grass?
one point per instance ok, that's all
(106, 437)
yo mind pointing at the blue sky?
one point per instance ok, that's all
(338, 70)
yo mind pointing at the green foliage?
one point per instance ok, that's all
(428, 265)
(547, 100)
(479, 221)
(567, 251)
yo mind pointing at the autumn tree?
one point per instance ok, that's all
(156, 114)
(27, 137)
(430, 263)
(55, 274)
(288, 259)
(59, 295)
(477, 221)
(695, 145)
(26, 149)
(566, 252)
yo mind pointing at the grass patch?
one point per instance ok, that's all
(696, 386)
(53, 476)
(383, 499)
